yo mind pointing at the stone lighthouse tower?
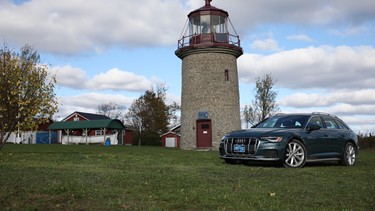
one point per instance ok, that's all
(210, 94)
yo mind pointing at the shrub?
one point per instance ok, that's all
(367, 142)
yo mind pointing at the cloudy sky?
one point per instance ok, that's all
(321, 52)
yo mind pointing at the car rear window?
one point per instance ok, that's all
(341, 125)
(330, 123)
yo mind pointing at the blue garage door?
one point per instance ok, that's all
(43, 137)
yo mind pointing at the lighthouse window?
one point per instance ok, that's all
(218, 24)
(205, 23)
(226, 75)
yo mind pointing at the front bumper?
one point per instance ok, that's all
(253, 149)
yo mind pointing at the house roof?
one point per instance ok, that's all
(106, 123)
(175, 130)
(87, 116)
(170, 132)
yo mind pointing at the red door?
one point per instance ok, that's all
(204, 133)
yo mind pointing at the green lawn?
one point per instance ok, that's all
(57, 177)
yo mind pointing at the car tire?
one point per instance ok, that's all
(295, 154)
(350, 155)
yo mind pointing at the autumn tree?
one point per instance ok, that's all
(148, 115)
(264, 103)
(112, 110)
(27, 95)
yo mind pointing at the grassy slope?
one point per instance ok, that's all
(97, 177)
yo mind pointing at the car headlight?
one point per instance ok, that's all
(272, 138)
(224, 137)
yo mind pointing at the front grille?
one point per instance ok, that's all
(240, 146)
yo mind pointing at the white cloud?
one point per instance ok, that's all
(245, 14)
(92, 100)
(71, 26)
(321, 67)
(116, 79)
(265, 45)
(337, 80)
(350, 30)
(348, 109)
(113, 79)
(89, 102)
(325, 15)
(299, 37)
(353, 97)
(69, 76)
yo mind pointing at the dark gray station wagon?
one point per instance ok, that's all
(293, 139)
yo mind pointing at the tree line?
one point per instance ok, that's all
(27, 99)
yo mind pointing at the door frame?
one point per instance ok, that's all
(200, 142)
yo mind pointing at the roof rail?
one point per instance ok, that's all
(279, 114)
(316, 112)
(324, 113)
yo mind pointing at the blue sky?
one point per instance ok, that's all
(320, 52)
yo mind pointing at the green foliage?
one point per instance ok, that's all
(148, 115)
(148, 139)
(27, 95)
(80, 177)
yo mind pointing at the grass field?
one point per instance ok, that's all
(57, 177)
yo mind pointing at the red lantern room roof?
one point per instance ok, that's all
(208, 27)
(208, 9)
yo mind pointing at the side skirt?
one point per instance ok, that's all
(322, 159)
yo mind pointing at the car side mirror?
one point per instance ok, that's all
(312, 127)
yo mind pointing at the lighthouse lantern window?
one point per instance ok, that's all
(205, 24)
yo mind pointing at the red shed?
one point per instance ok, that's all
(128, 137)
(171, 138)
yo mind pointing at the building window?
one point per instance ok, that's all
(226, 75)
(76, 119)
(98, 132)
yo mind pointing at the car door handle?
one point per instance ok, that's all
(325, 135)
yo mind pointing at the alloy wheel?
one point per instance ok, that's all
(295, 155)
(350, 154)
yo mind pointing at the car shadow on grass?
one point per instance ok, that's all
(280, 165)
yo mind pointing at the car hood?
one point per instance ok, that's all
(262, 132)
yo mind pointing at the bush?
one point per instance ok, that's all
(367, 142)
(148, 140)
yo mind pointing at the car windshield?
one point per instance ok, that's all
(284, 121)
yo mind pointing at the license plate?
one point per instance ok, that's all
(239, 148)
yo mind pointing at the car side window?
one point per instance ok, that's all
(341, 125)
(315, 120)
(330, 123)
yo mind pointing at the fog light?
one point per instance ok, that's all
(270, 154)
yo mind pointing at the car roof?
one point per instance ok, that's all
(306, 114)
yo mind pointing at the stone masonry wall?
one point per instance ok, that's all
(205, 88)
